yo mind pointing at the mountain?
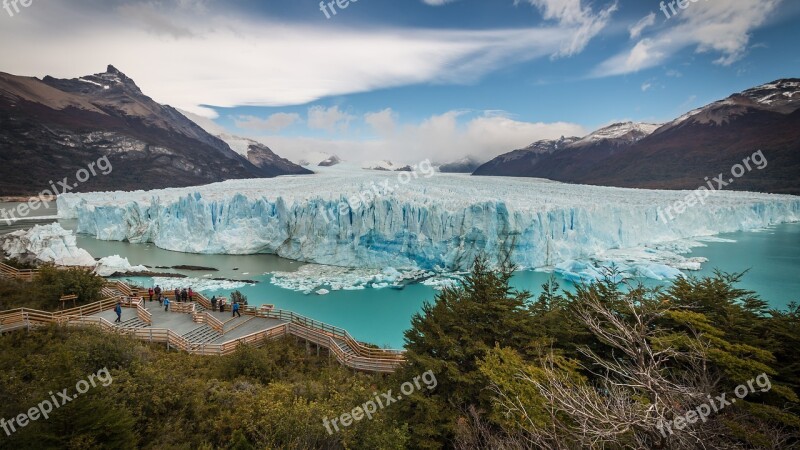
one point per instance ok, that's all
(464, 165)
(52, 128)
(682, 153)
(519, 163)
(330, 161)
(262, 157)
(319, 159)
(384, 165)
(568, 157)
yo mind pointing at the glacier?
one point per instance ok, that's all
(367, 219)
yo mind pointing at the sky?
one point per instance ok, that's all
(408, 80)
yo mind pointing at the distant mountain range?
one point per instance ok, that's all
(51, 128)
(681, 153)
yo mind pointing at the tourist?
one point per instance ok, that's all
(222, 305)
(236, 309)
(177, 295)
(166, 303)
(184, 295)
(191, 295)
(214, 303)
(118, 310)
(157, 290)
(150, 292)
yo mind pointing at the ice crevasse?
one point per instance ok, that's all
(442, 222)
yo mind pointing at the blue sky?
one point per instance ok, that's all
(410, 79)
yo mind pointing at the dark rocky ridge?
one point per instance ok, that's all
(681, 153)
(51, 128)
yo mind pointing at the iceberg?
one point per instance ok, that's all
(116, 264)
(46, 244)
(365, 219)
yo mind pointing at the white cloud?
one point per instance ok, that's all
(383, 122)
(274, 122)
(674, 73)
(586, 24)
(329, 119)
(189, 55)
(443, 137)
(646, 86)
(205, 122)
(719, 26)
(437, 2)
(637, 28)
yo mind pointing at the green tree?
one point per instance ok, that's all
(449, 338)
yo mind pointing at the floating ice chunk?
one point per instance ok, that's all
(116, 264)
(46, 244)
(198, 284)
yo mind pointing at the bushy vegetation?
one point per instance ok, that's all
(48, 286)
(269, 397)
(602, 367)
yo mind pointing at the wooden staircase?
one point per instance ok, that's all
(202, 335)
(135, 322)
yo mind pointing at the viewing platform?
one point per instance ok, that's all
(194, 328)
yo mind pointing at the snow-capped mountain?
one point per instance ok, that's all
(519, 163)
(541, 158)
(682, 153)
(625, 133)
(262, 156)
(51, 128)
(781, 96)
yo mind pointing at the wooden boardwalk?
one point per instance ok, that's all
(194, 328)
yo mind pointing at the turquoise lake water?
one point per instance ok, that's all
(380, 316)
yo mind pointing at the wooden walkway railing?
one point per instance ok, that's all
(26, 318)
(338, 341)
(7, 271)
(321, 331)
(333, 332)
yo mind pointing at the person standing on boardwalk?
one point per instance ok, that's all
(118, 310)
(157, 290)
(191, 295)
(236, 309)
(184, 295)
(221, 305)
(177, 295)
(214, 303)
(150, 292)
(166, 303)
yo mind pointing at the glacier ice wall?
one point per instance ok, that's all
(444, 221)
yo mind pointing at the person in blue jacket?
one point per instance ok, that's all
(118, 310)
(166, 303)
(236, 310)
